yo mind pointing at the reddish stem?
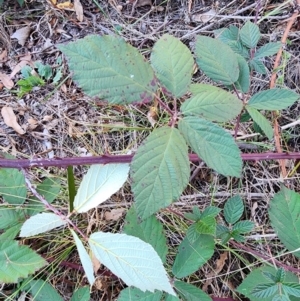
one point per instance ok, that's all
(106, 159)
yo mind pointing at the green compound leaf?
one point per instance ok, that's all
(243, 82)
(212, 103)
(11, 232)
(267, 50)
(12, 186)
(173, 64)
(250, 34)
(41, 291)
(193, 254)
(190, 292)
(159, 170)
(243, 227)
(261, 121)
(227, 34)
(171, 298)
(49, 189)
(213, 145)
(238, 48)
(273, 99)
(149, 230)
(17, 261)
(265, 290)
(284, 214)
(233, 209)
(9, 217)
(210, 54)
(291, 288)
(41, 223)
(206, 225)
(84, 258)
(82, 294)
(99, 184)
(258, 66)
(256, 277)
(131, 259)
(108, 67)
(134, 294)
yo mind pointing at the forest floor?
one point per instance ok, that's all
(56, 119)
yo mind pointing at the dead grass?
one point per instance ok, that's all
(79, 126)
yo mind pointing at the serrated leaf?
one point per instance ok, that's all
(81, 294)
(12, 186)
(17, 261)
(149, 230)
(265, 290)
(258, 66)
(49, 189)
(212, 144)
(250, 34)
(261, 121)
(238, 48)
(206, 225)
(267, 50)
(192, 255)
(134, 294)
(110, 68)
(273, 99)
(99, 184)
(257, 277)
(223, 233)
(281, 298)
(41, 291)
(227, 34)
(9, 217)
(269, 276)
(84, 258)
(280, 275)
(171, 298)
(11, 232)
(243, 226)
(237, 237)
(210, 211)
(173, 64)
(41, 223)
(233, 209)
(131, 259)
(160, 171)
(212, 103)
(284, 214)
(243, 82)
(291, 288)
(190, 292)
(210, 54)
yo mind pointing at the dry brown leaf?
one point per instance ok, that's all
(65, 5)
(21, 35)
(96, 263)
(204, 18)
(32, 123)
(114, 215)
(219, 266)
(152, 115)
(7, 82)
(10, 119)
(3, 55)
(25, 60)
(79, 10)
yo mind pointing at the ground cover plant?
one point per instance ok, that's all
(195, 117)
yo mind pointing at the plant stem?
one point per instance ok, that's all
(107, 159)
